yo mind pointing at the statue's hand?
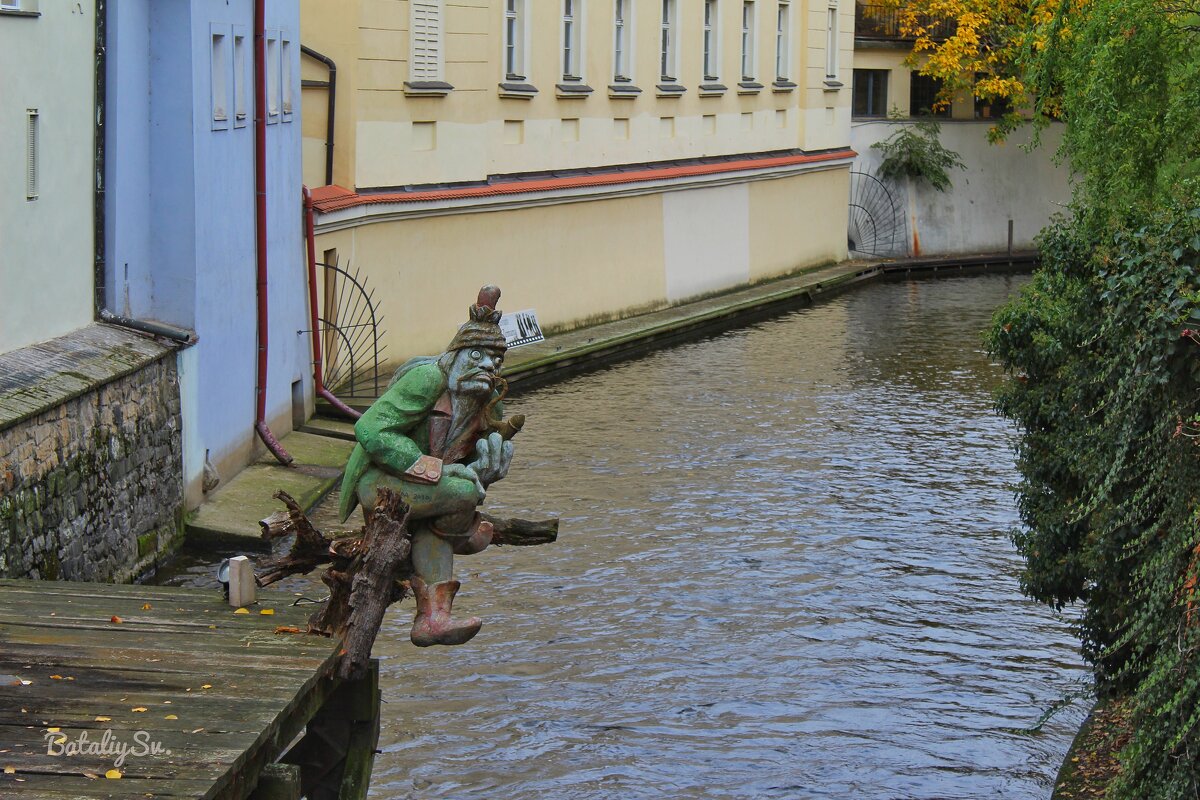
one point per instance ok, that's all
(466, 472)
(495, 456)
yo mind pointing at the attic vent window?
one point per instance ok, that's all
(31, 155)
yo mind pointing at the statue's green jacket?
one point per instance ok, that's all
(394, 432)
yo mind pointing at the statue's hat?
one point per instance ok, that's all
(482, 329)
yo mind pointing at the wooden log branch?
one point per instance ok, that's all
(522, 532)
(386, 546)
(309, 551)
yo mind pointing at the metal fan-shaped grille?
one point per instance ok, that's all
(350, 333)
(876, 227)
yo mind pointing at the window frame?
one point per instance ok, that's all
(749, 43)
(783, 41)
(711, 41)
(515, 52)
(869, 113)
(572, 40)
(668, 42)
(832, 50)
(623, 36)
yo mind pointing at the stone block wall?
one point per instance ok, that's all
(91, 487)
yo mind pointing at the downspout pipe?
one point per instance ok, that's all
(330, 108)
(260, 217)
(100, 263)
(318, 378)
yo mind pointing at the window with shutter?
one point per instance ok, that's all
(426, 40)
(31, 154)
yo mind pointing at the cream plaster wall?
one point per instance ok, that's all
(797, 222)
(46, 270)
(579, 262)
(706, 239)
(473, 132)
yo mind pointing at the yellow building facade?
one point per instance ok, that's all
(595, 158)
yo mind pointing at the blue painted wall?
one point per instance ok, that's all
(181, 218)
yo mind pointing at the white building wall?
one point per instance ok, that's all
(1001, 182)
(47, 63)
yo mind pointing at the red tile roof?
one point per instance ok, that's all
(335, 198)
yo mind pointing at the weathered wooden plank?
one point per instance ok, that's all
(169, 645)
(62, 787)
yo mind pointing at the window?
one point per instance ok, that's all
(570, 29)
(747, 40)
(870, 93)
(514, 40)
(240, 79)
(219, 86)
(10, 5)
(710, 40)
(782, 49)
(274, 77)
(667, 42)
(31, 153)
(831, 44)
(922, 95)
(990, 109)
(27, 6)
(425, 63)
(622, 36)
(285, 82)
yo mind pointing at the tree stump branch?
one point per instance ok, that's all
(367, 571)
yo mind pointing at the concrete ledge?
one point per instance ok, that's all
(229, 517)
(39, 377)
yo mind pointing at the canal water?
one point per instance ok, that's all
(784, 572)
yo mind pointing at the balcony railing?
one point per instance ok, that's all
(882, 23)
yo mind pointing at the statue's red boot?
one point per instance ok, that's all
(433, 624)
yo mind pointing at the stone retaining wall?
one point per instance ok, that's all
(91, 483)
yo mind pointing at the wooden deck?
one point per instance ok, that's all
(222, 693)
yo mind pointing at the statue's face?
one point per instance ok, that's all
(474, 370)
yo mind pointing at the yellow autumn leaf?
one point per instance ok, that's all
(242, 611)
(266, 612)
(9, 771)
(113, 774)
(53, 730)
(146, 606)
(103, 719)
(206, 686)
(170, 716)
(56, 677)
(138, 710)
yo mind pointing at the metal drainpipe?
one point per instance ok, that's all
(260, 216)
(318, 377)
(330, 108)
(100, 268)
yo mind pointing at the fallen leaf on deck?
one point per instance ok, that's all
(114, 619)
(206, 686)
(266, 612)
(103, 719)
(146, 607)
(138, 710)
(113, 774)
(53, 730)
(287, 629)
(170, 716)
(56, 677)
(9, 771)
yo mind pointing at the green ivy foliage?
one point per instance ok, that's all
(1106, 391)
(915, 151)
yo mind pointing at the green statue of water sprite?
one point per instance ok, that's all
(437, 437)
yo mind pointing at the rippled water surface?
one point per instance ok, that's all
(783, 572)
